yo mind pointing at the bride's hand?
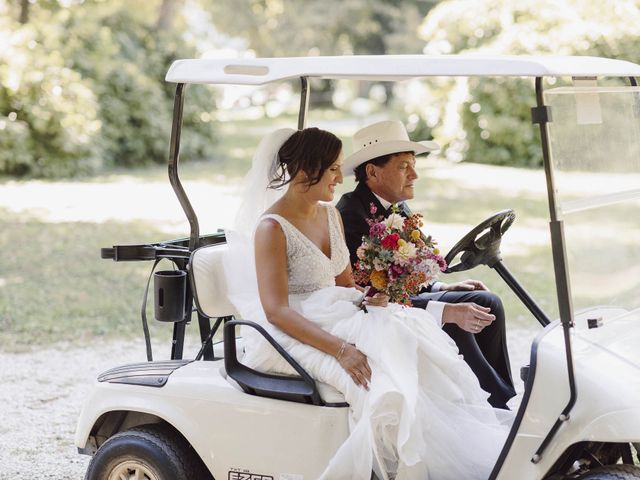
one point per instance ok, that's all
(356, 365)
(378, 300)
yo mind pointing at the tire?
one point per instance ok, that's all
(613, 472)
(154, 451)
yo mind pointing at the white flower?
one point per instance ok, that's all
(395, 221)
(378, 265)
(429, 267)
(405, 251)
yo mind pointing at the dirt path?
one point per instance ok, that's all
(42, 393)
(40, 400)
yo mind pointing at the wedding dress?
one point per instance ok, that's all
(424, 416)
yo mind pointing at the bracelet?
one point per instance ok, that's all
(341, 351)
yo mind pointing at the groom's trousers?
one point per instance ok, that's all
(486, 351)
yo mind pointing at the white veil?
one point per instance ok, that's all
(239, 264)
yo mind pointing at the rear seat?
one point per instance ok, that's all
(209, 287)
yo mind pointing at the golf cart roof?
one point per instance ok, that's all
(260, 71)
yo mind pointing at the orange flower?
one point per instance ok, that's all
(379, 279)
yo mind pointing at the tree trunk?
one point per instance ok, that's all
(24, 12)
(166, 14)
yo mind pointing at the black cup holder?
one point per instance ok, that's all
(169, 288)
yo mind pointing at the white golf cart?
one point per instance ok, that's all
(212, 417)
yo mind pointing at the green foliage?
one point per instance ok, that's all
(86, 85)
(493, 120)
(48, 113)
(497, 122)
(323, 27)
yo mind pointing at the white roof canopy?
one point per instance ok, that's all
(259, 71)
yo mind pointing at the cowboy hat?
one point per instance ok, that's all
(383, 138)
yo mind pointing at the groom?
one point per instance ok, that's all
(384, 165)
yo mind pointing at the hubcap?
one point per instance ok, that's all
(132, 470)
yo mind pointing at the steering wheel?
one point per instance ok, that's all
(481, 246)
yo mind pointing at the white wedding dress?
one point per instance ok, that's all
(425, 415)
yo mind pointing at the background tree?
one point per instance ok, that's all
(323, 27)
(82, 87)
(489, 121)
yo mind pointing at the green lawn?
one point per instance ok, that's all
(54, 286)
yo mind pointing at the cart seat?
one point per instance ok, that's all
(208, 281)
(209, 288)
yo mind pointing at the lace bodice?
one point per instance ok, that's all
(308, 267)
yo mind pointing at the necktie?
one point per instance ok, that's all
(401, 209)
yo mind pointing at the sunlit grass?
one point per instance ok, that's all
(54, 287)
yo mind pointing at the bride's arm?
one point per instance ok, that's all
(271, 270)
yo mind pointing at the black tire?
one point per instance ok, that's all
(158, 452)
(613, 472)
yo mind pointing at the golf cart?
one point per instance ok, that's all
(212, 417)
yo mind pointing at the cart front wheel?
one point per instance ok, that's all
(613, 472)
(149, 452)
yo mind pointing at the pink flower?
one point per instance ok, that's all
(372, 208)
(377, 230)
(442, 264)
(395, 271)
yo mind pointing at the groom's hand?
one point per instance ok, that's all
(465, 285)
(470, 317)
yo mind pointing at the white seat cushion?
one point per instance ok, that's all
(209, 282)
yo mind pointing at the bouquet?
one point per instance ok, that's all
(396, 258)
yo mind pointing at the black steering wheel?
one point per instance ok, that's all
(481, 246)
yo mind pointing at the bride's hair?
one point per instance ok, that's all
(311, 151)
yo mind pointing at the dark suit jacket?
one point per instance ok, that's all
(355, 208)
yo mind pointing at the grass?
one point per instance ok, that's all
(54, 286)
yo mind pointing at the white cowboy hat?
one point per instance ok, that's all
(383, 138)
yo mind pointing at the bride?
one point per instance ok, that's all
(414, 403)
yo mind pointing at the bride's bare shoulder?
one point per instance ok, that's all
(269, 236)
(268, 227)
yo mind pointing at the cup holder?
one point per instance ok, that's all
(169, 288)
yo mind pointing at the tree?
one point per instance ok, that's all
(288, 28)
(48, 113)
(82, 87)
(493, 122)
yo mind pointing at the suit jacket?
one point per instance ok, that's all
(355, 208)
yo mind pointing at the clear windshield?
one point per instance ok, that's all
(595, 150)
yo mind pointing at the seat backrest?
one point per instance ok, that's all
(209, 283)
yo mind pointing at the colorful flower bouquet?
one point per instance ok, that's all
(396, 258)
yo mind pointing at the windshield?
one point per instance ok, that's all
(595, 156)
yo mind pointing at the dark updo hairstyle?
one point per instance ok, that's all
(311, 151)
(361, 170)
